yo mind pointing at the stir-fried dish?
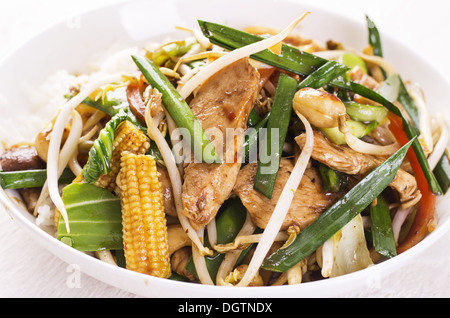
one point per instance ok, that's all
(241, 158)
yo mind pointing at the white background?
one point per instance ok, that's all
(28, 270)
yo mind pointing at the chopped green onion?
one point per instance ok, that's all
(279, 119)
(324, 74)
(338, 215)
(290, 58)
(442, 173)
(381, 227)
(180, 111)
(409, 105)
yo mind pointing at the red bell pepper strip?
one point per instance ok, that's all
(427, 204)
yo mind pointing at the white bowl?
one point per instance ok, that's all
(70, 44)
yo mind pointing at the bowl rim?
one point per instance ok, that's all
(310, 289)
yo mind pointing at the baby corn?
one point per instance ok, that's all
(144, 225)
(127, 138)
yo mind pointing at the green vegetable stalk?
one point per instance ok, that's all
(95, 218)
(180, 111)
(338, 215)
(279, 119)
(381, 227)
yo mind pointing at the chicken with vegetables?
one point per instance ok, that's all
(239, 158)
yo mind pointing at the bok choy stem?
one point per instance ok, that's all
(101, 152)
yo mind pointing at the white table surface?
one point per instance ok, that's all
(29, 270)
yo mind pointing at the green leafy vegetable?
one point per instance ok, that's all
(101, 152)
(95, 218)
(338, 215)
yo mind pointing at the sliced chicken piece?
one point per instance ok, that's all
(308, 203)
(346, 160)
(223, 102)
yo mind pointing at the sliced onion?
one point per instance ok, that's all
(398, 221)
(282, 207)
(327, 257)
(234, 56)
